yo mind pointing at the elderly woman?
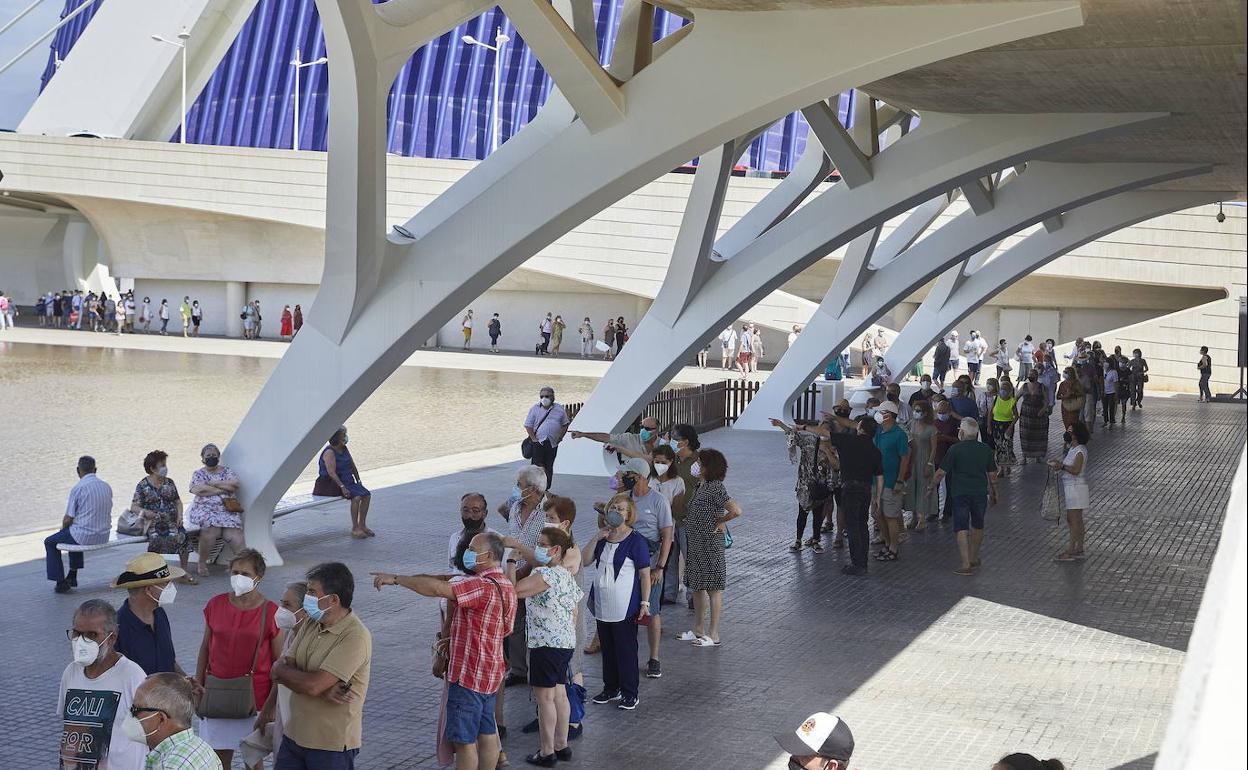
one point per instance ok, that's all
(706, 518)
(556, 335)
(523, 512)
(617, 598)
(816, 466)
(1004, 416)
(213, 485)
(1049, 377)
(156, 500)
(241, 637)
(1070, 394)
(920, 497)
(1033, 418)
(289, 616)
(551, 594)
(1075, 492)
(339, 476)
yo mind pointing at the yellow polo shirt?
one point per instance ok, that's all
(345, 650)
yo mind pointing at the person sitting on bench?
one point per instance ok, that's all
(87, 521)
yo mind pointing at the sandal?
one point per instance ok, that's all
(886, 555)
(1064, 556)
(838, 543)
(965, 571)
(797, 546)
(705, 641)
(687, 636)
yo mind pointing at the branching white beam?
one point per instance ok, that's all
(634, 40)
(979, 194)
(852, 164)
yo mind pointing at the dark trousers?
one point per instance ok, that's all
(1137, 392)
(544, 348)
(939, 372)
(56, 567)
(544, 458)
(292, 756)
(618, 645)
(518, 643)
(973, 368)
(857, 499)
(803, 515)
(1204, 386)
(1109, 407)
(671, 570)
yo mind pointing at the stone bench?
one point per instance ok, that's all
(287, 506)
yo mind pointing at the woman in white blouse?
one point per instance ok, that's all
(550, 621)
(1075, 491)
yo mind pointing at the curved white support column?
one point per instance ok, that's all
(550, 178)
(944, 152)
(74, 253)
(1046, 189)
(946, 306)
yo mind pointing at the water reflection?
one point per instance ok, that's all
(57, 403)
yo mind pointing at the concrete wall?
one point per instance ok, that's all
(30, 255)
(212, 301)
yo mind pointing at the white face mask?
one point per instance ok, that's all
(166, 594)
(879, 417)
(241, 584)
(696, 469)
(85, 651)
(547, 401)
(661, 468)
(285, 619)
(132, 728)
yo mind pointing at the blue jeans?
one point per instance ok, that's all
(671, 572)
(968, 512)
(56, 567)
(292, 756)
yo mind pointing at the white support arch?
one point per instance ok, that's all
(947, 305)
(552, 176)
(1044, 189)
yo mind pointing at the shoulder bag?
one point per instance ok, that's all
(233, 698)
(526, 446)
(817, 488)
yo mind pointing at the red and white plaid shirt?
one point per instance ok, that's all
(485, 609)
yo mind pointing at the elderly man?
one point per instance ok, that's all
(894, 445)
(546, 424)
(472, 512)
(97, 690)
(161, 718)
(821, 742)
(87, 521)
(525, 519)
(654, 523)
(485, 609)
(625, 445)
(143, 633)
(327, 671)
(904, 412)
(972, 473)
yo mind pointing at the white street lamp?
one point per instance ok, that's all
(183, 36)
(299, 64)
(499, 41)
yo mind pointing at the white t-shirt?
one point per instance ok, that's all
(728, 338)
(971, 351)
(792, 338)
(1111, 382)
(1026, 353)
(92, 710)
(1070, 480)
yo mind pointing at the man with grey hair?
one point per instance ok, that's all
(546, 424)
(626, 445)
(97, 690)
(161, 719)
(485, 609)
(525, 520)
(972, 472)
(87, 521)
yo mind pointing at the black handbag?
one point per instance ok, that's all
(526, 446)
(818, 490)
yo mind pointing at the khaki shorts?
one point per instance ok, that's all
(890, 505)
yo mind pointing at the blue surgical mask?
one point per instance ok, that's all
(470, 560)
(541, 554)
(646, 434)
(312, 606)
(517, 493)
(614, 518)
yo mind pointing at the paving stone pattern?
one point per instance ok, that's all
(930, 669)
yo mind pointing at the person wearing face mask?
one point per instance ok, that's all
(1033, 419)
(618, 598)
(96, 692)
(1004, 414)
(1139, 376)
(525, 520)
(160, 720)
(654, 523)
(669, 483)
(327, 670)
(472, 512)
(156, 499)
(919, 498)
(546, 424)
(241, 637)
(814, 458)
(337, 475)
(1003, 358)
(87, 521)
(1071, 395)
(485, 609)
(213, 485)
(972, 477)
(924, 393)
(1076, 494)
(143, 633)
(685, 443)
(586, 330)
(625, 445)
(1049, 378)
(894, 446)
(271, 720)
(552, 595)
(706, 524)
(973, 349)
(946, 436)
(821, 742)
(904, 413)
(940, 360)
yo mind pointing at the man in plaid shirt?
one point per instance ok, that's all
(483, 608)
(161, 713)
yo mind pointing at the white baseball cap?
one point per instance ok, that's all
(819, 735)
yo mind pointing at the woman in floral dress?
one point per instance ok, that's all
(212, 485)
(156, 499)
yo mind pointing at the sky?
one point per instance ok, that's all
(20, 85)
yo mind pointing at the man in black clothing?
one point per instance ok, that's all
(861, 468)
(940, 361)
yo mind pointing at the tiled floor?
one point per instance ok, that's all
(931, 670)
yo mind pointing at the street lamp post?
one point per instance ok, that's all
(183, 36)
(499, 41)
(299, 64)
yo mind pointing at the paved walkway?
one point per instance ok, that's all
(930, 669)
(569, 364)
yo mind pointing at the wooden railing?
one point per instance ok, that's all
(707, 407)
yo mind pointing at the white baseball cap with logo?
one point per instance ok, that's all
(819, 735)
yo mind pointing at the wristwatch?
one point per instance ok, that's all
(512, 561)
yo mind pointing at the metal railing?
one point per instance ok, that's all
(707, 407)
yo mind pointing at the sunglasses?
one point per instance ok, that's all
(136, 710)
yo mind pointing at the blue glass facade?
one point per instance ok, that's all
(439, 106)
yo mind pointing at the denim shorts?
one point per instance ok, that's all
(968, 512)
(468, 714)
(656, 587)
